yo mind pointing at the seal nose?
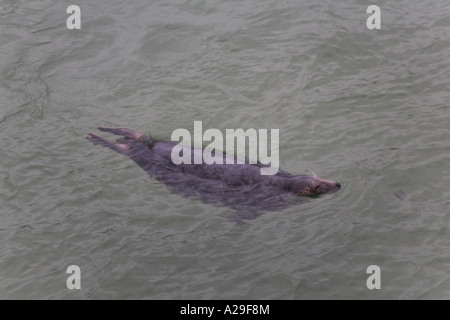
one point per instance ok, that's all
(338, 185)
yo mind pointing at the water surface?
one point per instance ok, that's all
(367, 108)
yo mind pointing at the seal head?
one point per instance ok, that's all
(307, 185)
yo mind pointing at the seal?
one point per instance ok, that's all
(238, 186)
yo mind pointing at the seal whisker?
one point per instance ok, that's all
(313, 173)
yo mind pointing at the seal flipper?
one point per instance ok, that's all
(127, 133)
(127, 145)
(97, 140)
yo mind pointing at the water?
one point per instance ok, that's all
(367, 108)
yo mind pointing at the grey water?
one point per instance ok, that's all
(367, 108)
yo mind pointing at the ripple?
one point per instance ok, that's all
(368, 109)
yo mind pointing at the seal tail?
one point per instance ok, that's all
(127, 133)
(122, 145)
(97, 140)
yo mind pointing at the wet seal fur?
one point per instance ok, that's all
(238, 186)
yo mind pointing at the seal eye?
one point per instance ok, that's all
(316, 189)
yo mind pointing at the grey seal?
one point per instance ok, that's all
(238, 186)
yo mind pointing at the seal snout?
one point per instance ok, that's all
(311, 185)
